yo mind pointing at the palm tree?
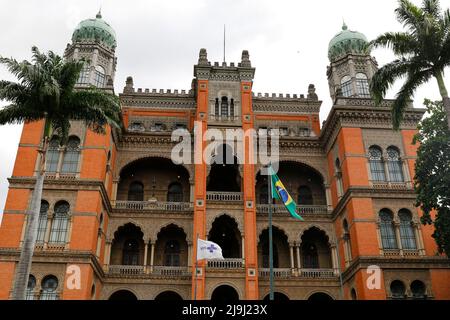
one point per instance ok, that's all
(45, 91)
(423, 52)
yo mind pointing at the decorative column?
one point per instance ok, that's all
(47, 230)
(419, 240)
(299, 265)
(243, 250)
(145, 256)
(334, 260)
(60, 160)
(107, 254)
(291, 253)
(328, 197)
(114, 191)
(152, 255)
(397, 236)
(189, 262)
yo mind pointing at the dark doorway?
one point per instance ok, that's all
(226, 234)
(224, 294)
(277, 296)
(168, 296)
(320, 296)
(123, 295)
(224, 175)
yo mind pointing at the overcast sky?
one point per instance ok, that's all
(158, 42)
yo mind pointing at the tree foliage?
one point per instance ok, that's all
(432, 173)
(46, 90)
(423, 52)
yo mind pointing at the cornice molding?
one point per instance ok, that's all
(421, 262)
(73, 184)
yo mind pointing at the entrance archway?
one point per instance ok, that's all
(226, 234)
(123, 295)
(224, 294)
(168, 296)
(277, 296)
(320, 296)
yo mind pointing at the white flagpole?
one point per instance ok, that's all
(195, 286)
(269, 196)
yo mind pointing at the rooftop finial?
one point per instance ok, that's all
(344, 26)
(99, 14)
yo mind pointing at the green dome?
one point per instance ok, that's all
(95, 29)
(346, 42)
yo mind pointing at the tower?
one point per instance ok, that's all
(74, 211)
(94, 41)
(351, 66)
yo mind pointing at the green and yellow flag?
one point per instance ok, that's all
(280, 192)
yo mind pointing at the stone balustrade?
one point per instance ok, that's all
(156, 206)
(302, 209)
(228, 263)
(224, 196)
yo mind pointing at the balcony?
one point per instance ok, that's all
(216, 196)
(154, 206)
(229, 263)
(277, 272)
(284, 273)
(382, 185)
(164, 271)
(279, 209)
(318, 273)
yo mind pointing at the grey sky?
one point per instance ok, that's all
(159, 41)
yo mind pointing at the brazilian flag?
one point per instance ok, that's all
(280, 192)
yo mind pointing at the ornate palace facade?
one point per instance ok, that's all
(117, 207)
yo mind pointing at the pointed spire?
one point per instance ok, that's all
(99, 14)
(344, 26)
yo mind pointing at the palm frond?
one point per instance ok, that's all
(406, 93)
(385, 77)
(13, 114)
(409, 15)
(432, 7)
(400, 42)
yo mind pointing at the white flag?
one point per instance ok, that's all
(208, 250)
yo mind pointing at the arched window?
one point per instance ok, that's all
(304, 196)
(376, 164)
(398, 289)
(99, 77)
(266, 256)
(347, 242)
(310, 256)
(42, 224)
(346, 86)
(84, 75)
(388, 239)
(224, 107)
(136, 191)
(60, 223)
(362, 85)
(175, 192)
(216, 108)
(394, 165)
(353, 294)
(71, 155)
(407, 234)
(49, 286)
(172, 253)
(232, 108)
(263, 194)
(52, 155)
(339, 185)
(30, 287)
(418, 289)
(130, 256)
